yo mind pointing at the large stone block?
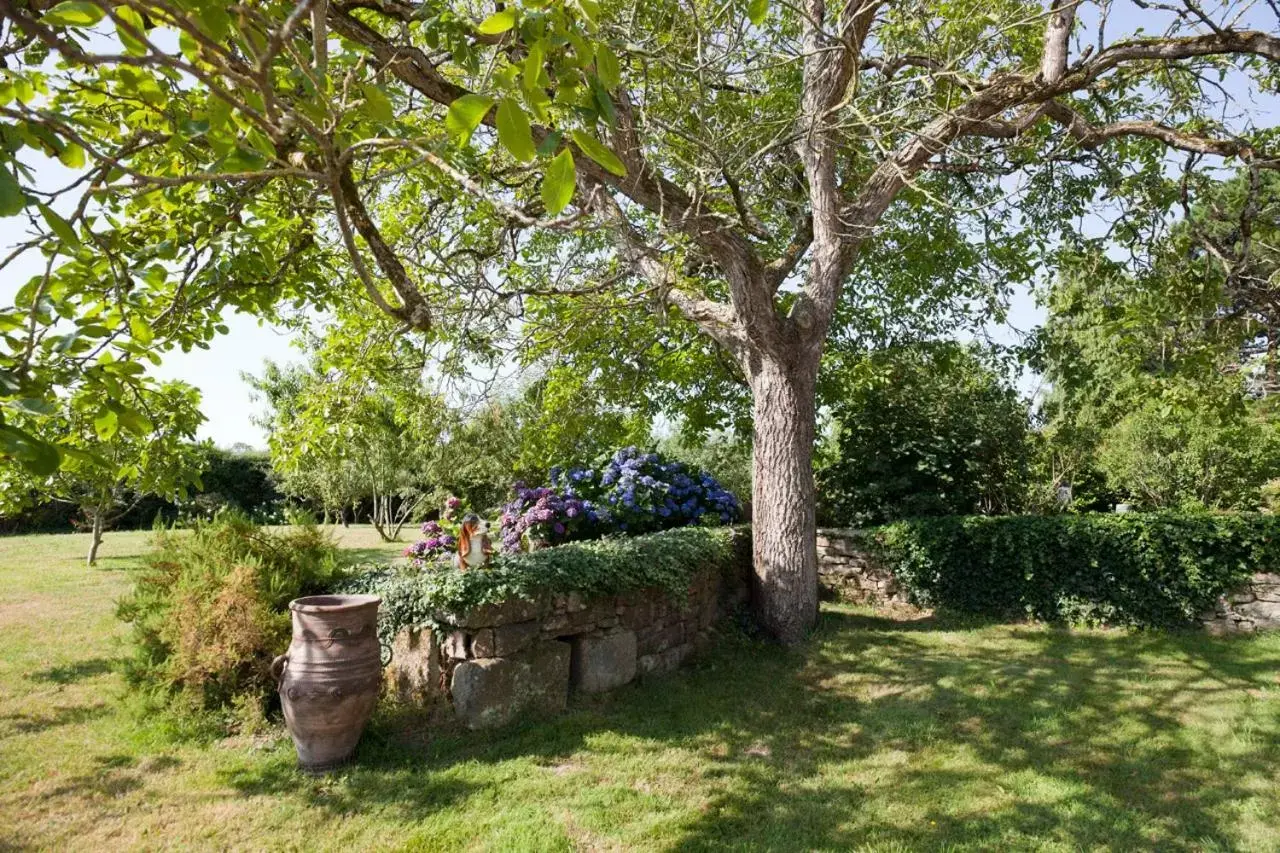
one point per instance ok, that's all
(602, 663)
(491, 692)
(414, 671)
(502, 613)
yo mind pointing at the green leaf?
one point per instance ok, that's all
(106, 424)
(72, 156)
(61, 227)
(73, 14)
(607, 67)
(465, 115)
(498, 22)
(39, 457)
(757, 10)
(140, 330)
(514, 132)
(376, 104)
(135, 422)
(557, 183)
(597, 151)
(550, 143)
(33, 405)
(12, 199)
(132, 44)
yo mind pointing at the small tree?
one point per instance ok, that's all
(114, 455)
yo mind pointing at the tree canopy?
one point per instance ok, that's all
(755, 171)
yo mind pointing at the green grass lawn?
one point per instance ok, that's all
(878, 735)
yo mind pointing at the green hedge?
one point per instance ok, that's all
(668, 560)
(1146, 570)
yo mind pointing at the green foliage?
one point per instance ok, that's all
(1199, 456)
(668, 560)
(209, 609)
(239, 480)
(1147, 570)
(113, 454)
(1155, 365)
(924, 430)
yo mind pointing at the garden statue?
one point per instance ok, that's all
(473, 543)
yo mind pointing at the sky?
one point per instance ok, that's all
(249, 343)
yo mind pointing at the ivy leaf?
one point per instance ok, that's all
(73, 14)
(498, 22)
(465, 115)
(597, 151)
(757, 10)
(514, 132)
(557, 183)
(12, 199)
(376, 104)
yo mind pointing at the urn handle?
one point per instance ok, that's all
(277, 667)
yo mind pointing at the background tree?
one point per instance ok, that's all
(925, 430)
(731, 167)
(114, 456)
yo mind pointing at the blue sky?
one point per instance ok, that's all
(216, 371)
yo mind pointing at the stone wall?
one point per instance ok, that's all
(496, 662)
(1253, 607)
(847, 571)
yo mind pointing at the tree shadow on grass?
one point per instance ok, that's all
(63, 715)
(891, 733)
(72, 672)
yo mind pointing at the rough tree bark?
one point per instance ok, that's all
(783, 523)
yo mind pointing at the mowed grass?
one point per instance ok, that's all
(880, 734)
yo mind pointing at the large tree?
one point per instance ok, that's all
(730, 166)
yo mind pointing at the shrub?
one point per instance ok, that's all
(551, 517)
(209, 608)
(924, 430)
(1138, 569)
(668, 560)
(626, 491)
(440, 536)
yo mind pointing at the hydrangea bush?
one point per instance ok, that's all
(548, 517)
(440, 538)
(629, 491)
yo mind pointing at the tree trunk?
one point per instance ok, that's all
(97, 538)
(783, 525)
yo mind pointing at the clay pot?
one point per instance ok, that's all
(330, 678)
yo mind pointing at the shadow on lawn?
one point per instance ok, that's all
(812, 748)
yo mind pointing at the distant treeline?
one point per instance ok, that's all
(238, 479)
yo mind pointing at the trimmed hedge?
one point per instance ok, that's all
(1155, 570)
(668, 560)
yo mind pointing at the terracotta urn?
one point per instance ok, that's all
(330, 678)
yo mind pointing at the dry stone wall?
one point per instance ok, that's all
(1253, 607)
(499, 661)
(847, 571)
